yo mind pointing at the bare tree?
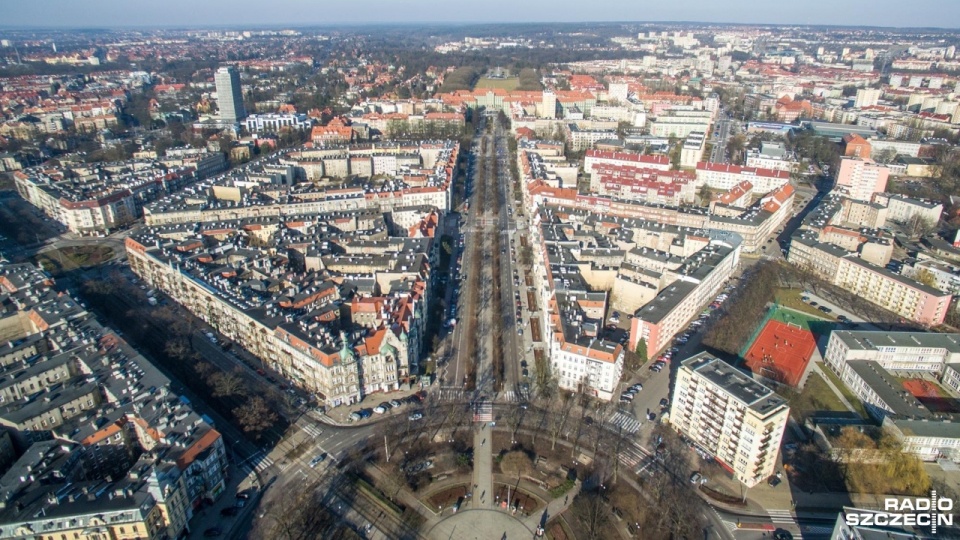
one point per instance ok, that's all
(227, 383)
(516, 463)
(255, 416)
(560, 419)
(593, 511)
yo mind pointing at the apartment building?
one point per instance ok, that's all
(273, 122)
(771, 156)
(873, 283)
(229, 94)
(901, 209)
(641, 184)
(680, 123)
(696, 284)
(137, 471)
(725, 177)
(422, 176)
(99, 199)
(867, 97)
(297, 325)
(580, 360)
(904, 296)
(736, 419)
(583, 139)
(595, 158)
(861, 178)
(692, 150)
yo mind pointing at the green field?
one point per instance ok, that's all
(510, 83)
(787, 315)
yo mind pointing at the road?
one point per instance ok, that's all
(719, 152)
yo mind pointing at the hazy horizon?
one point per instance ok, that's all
(66, 14)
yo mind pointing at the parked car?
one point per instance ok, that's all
(395, 403)
(212, 531)
(379, 410)
(415, 416)
(695, 478)
(354, 416)
(782, 534)
(664, 402)
(229, 511)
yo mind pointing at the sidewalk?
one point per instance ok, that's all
(482, 464)
(554, 508)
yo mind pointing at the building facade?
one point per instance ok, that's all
(736, 419)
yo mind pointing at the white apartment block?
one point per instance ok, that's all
(692, 150)
(257, 123)
(736, 419)
(901, 351)
(594, 368)
(867, 97)
(901, 209)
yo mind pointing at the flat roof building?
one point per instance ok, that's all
(736, 419)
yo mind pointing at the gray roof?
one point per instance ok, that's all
(864, 340)
(888, 388)
(741, 387)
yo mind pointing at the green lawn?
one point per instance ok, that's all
(510, 83)
(854, 400)
(816, 396)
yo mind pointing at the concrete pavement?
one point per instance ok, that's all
(482, 468)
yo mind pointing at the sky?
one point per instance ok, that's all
(198, 13)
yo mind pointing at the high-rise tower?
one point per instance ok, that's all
(229, 94)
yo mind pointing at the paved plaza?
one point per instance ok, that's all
(477, 524)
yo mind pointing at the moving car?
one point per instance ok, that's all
(318, 460)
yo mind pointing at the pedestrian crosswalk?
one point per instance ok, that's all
(628, 423)
(483, 411)
(781, 516)
(510, 396)
(312, 430)
(631, 456)
(259, 462)
(450, 393)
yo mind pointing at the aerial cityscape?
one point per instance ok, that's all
(398, 276)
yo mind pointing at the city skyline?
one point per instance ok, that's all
(179, 13)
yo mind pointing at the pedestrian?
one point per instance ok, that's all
(565, 499)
